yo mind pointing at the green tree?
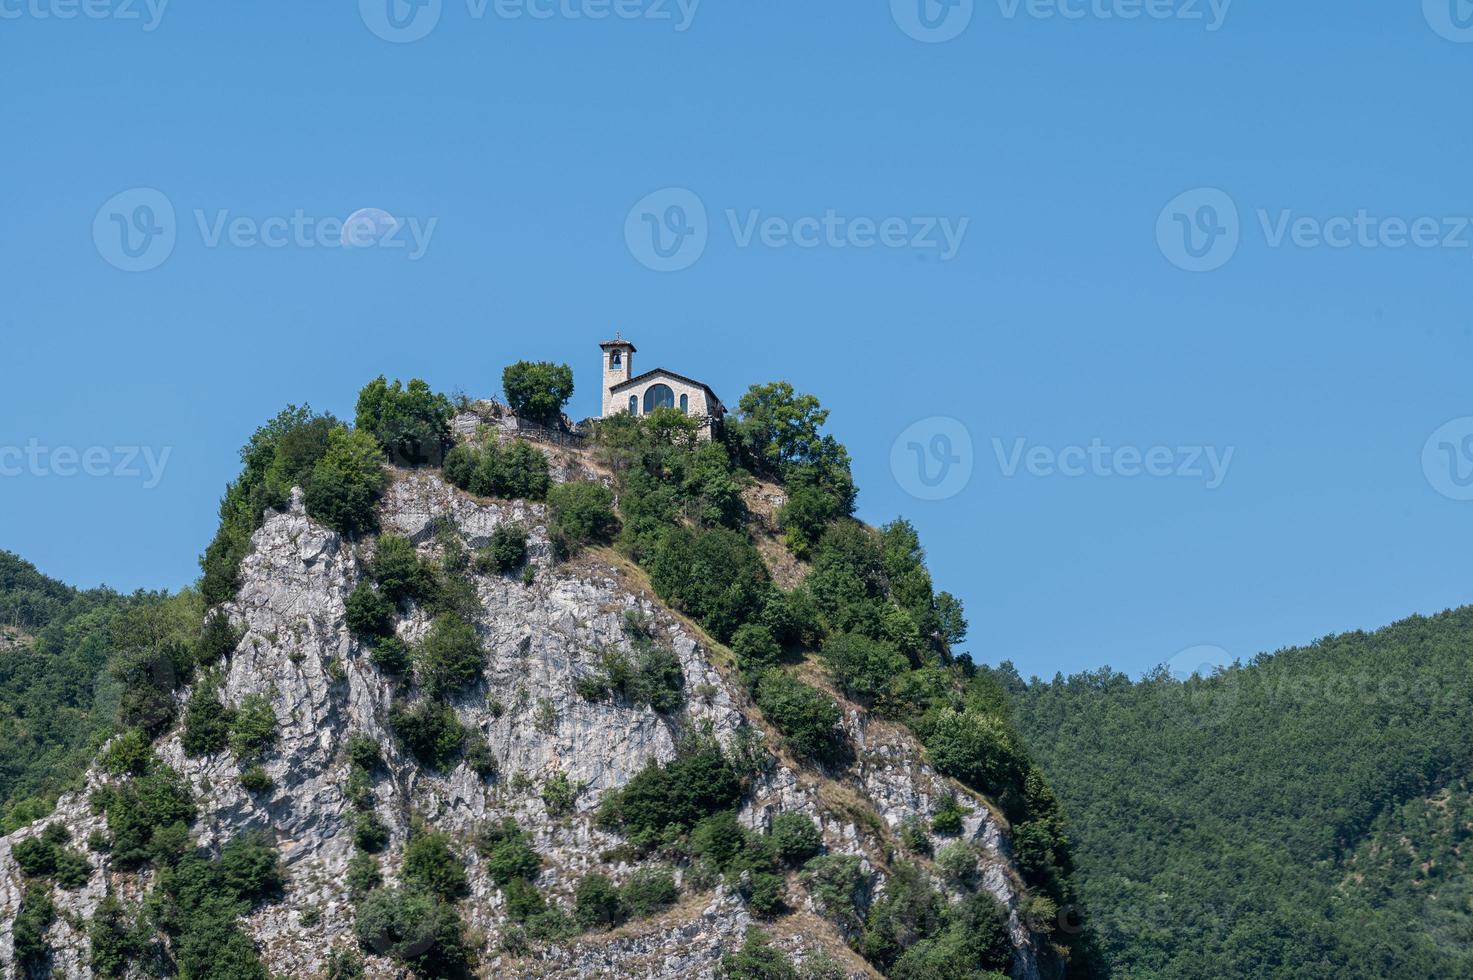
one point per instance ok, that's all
(581, 513)
(537, 390)
(346, 483)
(429, 863)
(450, 658)
(411, 423)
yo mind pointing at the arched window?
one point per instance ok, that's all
(685, 403)
(658, 396)
(616, 359)
(633, 404)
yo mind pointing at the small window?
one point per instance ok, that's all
(685, 404)
(633, 404)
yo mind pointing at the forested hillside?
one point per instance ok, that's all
(1307, 815)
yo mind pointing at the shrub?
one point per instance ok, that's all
(695, 784)
(363, 752)
(973, 747)
(795, 837)
(256, 780)
(370, 614)
(559, 794)
(415, 928)
(523, 900)
(479, 757)
(757, 960)
(508, 852)
(370, 833)
(537, 390)
(145, 815)
(648, 891)
(218, 639)
(47, 856)
(507, 550)
(958, 861)
(115, 938)
(488, 470)
(390, 655)
(28, 934)
(207, 722)
(909, 910)
(346, 483)
(429, 731)
(430, 864)
(253, 727)
(808, 718)
(398, 570)
(947, 820)
(450, 658)
(344, 964)
(863, 667)
(597, 903)
(128, 754)
(363, 873)
(914, 837)
(757, 651)
(837, 883)
(410, 423)
(580, 513)
(715, 575)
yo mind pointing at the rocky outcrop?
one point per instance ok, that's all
(539, 637)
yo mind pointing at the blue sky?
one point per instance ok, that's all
(1061, 316)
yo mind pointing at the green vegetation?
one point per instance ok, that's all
(410, 423)
(198, 904)
(47, 856)
(596, 902)
(538, 390)
(253, 727)
(652, 677)
(507, 551)
(1304, 815)
(37, 911)
(796, 837)
(649, 890)
(518, 469)
(757, 960)
(450, 658)
(147, 815)
(429, 863)
(429, 730)
(346, 483)
(699, 782)
(579, 514)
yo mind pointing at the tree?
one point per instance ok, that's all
(538, 390)
(582, 513)
(450, 658)
(430, 864)
(808, 718)
(412, 423)
(346, 483)
(597, 903)
(861, 666)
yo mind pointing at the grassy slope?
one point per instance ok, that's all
(1305, 816)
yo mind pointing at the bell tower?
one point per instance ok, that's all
(618, 367)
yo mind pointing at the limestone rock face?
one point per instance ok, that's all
(539, 637)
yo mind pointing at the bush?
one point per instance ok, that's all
(714, 575)
(837, 883)
(695, 784)
(363, 752)
(580, 513)
(795, 837)
(398, 570)
(450, 658)
(115, 937)
(207, 722)
(128, 754)
(430, 864)
(363, 873)
(757, 960)
(519, 470)
(648, 891)
(863, 667)
(370, 833)
(390, 655)
(597, 903)
(479, 757)
(507, 550)
(559, 794)
(958, 861)
(429, 731)
(32, 921)
(256, 780)
(414, 928)
(370, 614)
(346, 483)
(523, 900)
(537, 390)
(508, 852)
(976, 748)
(47, 856)
(757, 651)
(253, 728)
(949, 815)
(146, 814)
(411, 423)
(808, 718)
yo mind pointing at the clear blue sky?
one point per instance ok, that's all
(1060, 320)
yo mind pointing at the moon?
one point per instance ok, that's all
(367, 227)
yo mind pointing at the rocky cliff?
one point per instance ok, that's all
(540, 636)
